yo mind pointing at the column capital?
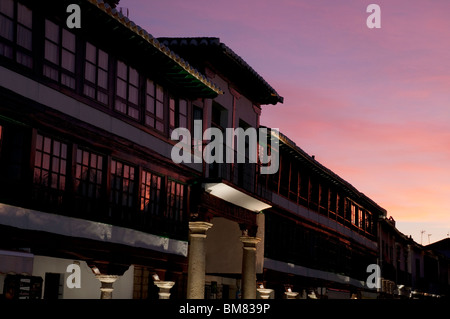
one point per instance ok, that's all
(107, 278)
(265, 293)
(291, 294)
(250, 242)
(198, 229)
(164, 288)
(164, 284)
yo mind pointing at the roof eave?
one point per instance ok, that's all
(181, 72)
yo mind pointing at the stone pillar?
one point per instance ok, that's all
(249, 267)
(196, 260)
(265, 293)
(164, 288)
(106, 287)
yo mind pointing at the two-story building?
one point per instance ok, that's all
(87, 175)
(225, 199)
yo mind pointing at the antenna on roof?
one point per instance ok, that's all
(429, 235)
(421, 235)
(124, 11)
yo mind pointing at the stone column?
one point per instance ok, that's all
(196, 259)
(106, 287)
(164, 288)
(249, 267)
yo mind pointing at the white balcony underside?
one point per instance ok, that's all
(75, 227)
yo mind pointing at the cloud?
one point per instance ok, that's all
(372, 105)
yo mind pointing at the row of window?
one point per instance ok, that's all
(127, 189)
(135, 95)
(302, 187)
(294, 243)
(84, 183)
(15, 29)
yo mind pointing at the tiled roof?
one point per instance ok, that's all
(125, 21)
(214, 47)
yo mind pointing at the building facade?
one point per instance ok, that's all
(321, 232)
(86, 169)
(89, 119)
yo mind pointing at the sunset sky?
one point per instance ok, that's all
(372, 105)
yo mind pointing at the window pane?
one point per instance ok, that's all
(6, 28)
(91, 53)
(134, 113)
(159, 110)
(51, 31)
(159, 93)
(55, 164)
(85, 158)
(68, 61)
(46, 161)
(89, 72)
(133, 94)
(51, 52)
(68, 40)
(121, 107)
(89, 91)
(150, 88)
(134, 77)
(103, 59)
(102, 79)
(56, 148)
(24, 37)
(39, 140)
(62, 169)
(172, 118)
(6, 50)
(103, 98)
(183, 107)
(121, 70)
(183, 121)
(24, 15)
(150, 104)
(160, 126)
(38, 159)
(51, 72)
(7, 7)
(121, 89)
(47, 144)
(150, 121)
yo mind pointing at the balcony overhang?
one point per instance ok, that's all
(235, 196)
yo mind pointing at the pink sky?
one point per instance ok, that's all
(373, 105)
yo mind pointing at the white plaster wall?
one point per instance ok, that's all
(90, 286)
(226, 99)
(224, 249)
(245, 111)
(244, 107)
